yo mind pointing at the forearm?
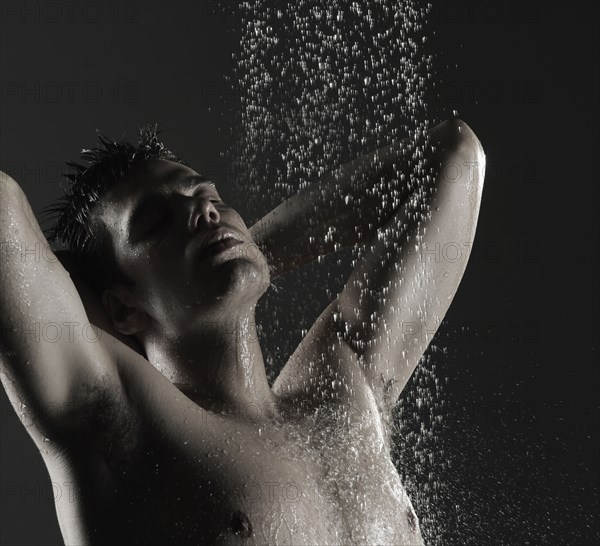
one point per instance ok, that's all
(343, 208)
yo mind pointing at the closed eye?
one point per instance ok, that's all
(155, 224)
(208, 191)
(219, 203)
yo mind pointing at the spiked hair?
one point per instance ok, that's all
(76, 228)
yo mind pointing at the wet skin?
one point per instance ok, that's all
(205, 451)
(311, 468)
(188, 443)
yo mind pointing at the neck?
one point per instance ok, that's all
(217, 363)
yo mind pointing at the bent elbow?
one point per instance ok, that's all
(454, 136)
(459, 155)
(470, 146)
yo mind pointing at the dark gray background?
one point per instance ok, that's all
(521, 337)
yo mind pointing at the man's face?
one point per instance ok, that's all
(160, 221)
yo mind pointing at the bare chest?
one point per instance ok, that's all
(319, 480)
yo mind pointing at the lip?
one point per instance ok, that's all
(228, 237)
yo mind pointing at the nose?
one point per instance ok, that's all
(202, 213)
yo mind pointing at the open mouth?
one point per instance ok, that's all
(219, 246)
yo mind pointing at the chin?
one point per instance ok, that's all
(244, 280)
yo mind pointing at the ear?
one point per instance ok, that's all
(127, 318)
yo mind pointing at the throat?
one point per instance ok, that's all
(217, 363)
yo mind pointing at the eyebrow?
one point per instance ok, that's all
(149, 201)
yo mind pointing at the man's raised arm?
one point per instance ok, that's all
(52, 365)
(418, 230)
(342, 208)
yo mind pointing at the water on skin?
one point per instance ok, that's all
(319, 84)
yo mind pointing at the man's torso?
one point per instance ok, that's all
(156, 468)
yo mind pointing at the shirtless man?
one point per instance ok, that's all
(161, 413)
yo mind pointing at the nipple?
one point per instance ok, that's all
(240, 524)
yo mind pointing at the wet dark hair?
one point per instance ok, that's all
(76, 226)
